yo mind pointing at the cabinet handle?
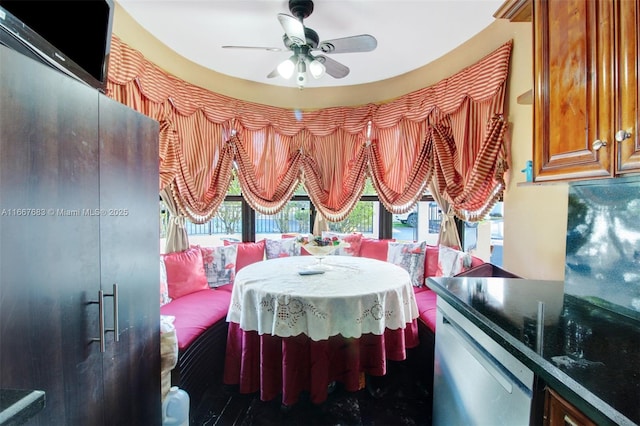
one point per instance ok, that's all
(621, 135)
(100, 303)
(540, 328)
(116, 327)
(597, 144)
(569, 421)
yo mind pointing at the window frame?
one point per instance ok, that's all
(385, 221)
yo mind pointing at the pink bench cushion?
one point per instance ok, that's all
(196, 312)
(426, 301)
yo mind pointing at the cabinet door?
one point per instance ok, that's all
(629, 85)
(129, 238)
(559, 412)
(49, 246)
(574, 97)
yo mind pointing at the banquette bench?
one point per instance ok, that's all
(199, 281)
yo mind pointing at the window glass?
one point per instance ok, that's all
(294, 218)
(234, 187)
(484, 238)
(368, 188)
(363, 218)
(225, 225)
(497, 228)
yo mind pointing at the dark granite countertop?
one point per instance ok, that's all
(591, 356)
(17, 406)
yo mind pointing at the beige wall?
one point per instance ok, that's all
(535, 215)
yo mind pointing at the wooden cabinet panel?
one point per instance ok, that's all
(49, 250)
(629, 86)
(559, 412)
(129, 232)
(573, 42)
(586, 88)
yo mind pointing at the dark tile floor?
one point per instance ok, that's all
(396, 399)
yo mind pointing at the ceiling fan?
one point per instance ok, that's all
(302, 41)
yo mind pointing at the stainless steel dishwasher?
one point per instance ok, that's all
(476, 381)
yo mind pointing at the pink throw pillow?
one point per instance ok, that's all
(374, 248)
(248, 253)
(185, 272)
(431, 261)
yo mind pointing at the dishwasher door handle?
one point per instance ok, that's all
(490, 364)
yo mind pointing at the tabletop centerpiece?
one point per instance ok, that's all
(320, 247)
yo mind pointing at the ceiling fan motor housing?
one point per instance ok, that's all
(312, 39)
(301, 9)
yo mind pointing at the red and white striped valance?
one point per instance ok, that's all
(451, 131)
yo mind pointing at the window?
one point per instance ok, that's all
(486, 236)
(236, 221)
(294, 218)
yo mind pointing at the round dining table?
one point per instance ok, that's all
(296, 326)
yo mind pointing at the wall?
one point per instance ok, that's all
(535, 215)
(535, 222)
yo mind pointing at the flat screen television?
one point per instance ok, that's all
(73, 37)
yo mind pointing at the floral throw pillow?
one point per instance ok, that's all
(219, 264)
(164, 286)
(281, 248)
(409, 256)
(354, 239)
(451, 262)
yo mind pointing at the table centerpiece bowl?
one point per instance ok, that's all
(319, 248)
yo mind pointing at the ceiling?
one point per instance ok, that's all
(410, 34)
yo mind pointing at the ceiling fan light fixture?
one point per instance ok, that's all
(316, 68)
(286, 68)
(301, 79)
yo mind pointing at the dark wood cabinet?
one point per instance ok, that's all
(78, 213)
(585, 89)
(559, 412)
(129, 238)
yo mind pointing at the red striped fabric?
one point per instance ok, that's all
(451, 131)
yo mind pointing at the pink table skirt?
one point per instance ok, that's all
(274, 365)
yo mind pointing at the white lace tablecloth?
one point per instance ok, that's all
(357, 296)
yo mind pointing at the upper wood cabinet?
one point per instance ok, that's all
(585, 88)
(628, 117)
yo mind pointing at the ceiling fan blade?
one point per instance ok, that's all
(358, 43)
(334, 68)
(293, 28)
(269, 49)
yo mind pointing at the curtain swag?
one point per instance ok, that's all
(449, 135)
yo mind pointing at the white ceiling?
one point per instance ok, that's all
(410, 34)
